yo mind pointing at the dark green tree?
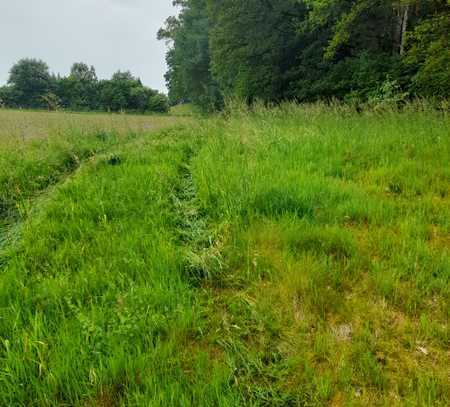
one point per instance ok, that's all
(83, 73)
(427, 56)
(79, 91)
(30, 80)
(273, 50)
(7, 97)
(31, 85)
(116, 94)
(254, 45)
(189, 76)
(124, 92)
(158, 103)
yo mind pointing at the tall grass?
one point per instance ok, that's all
(38, 149)
(25, 125)
(297, 255)
(335, 251)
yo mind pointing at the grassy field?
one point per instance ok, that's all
(30, 125)
(38, 149)
(298, 255)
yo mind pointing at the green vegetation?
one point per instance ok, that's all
(274, 254)
(297, 255)
(359, 51)
(30, 85)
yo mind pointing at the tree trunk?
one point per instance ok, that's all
(404, 28)
(400, 28)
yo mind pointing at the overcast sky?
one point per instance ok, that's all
(109, 34)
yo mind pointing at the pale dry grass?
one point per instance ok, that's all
(24, 126)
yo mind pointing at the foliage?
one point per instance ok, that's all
(29, 79)
(31, 86)
(259, 56)
(79, 90)
(189, 76)
(309, 49)
(158, 103)
(428, 58)
(6, 96)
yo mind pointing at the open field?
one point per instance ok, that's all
(39, 148)
(290, 256)
(28, 125)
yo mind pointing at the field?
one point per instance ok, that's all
(297, 255)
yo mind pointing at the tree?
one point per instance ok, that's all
(189, 76)
(30, 79)
(31, 85)
(139, 97)
(124, 92)
(254, 45)
(7, 98)
(83, 73)
(79, 91)
(116, 94)
(426, 61)
(273, 50)
(346, 51)
(158, 103)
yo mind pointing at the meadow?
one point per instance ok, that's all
(297, 255)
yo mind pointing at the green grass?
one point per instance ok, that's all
(298, 255)
(185, 109)
(39, 149)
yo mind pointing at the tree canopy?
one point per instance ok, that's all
(305, 50)
(31, 85)
(29, 80)
(189, 77)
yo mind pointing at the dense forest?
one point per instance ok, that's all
(31, 85)
(306, 50)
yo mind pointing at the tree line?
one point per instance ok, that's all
(31, 85)
(305, 50)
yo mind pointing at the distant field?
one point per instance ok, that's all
(27, 125)
(298, 255)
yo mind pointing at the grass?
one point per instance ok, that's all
(297, 255)
(38, 149)
(25, 125)
(185, 109)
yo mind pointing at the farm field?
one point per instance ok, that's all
(297, 255)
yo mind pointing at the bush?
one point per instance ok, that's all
(158, 103)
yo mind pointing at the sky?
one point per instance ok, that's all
(108, 34)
